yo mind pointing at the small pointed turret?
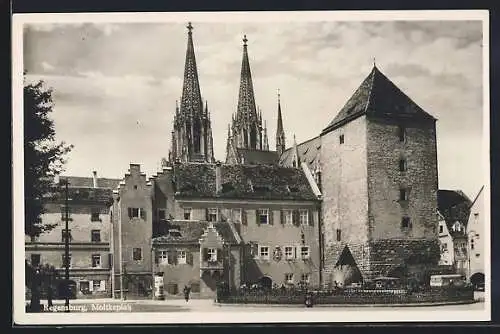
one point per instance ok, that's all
(296, 157)
(280, 133)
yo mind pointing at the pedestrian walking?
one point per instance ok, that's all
(187, 290)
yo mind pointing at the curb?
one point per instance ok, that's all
(347, 305)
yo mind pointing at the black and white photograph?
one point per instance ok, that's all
(251, 167)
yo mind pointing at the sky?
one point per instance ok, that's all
(116, 84)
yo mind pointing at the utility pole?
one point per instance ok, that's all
(66, 247)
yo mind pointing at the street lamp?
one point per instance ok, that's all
(66, 245)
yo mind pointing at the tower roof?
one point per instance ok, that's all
(279, 128)
(378, 96)
(246, 99)
(191, 96)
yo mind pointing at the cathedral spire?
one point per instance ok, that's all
(246, 100)
(192, 134)
(191, 102)
(280, 133)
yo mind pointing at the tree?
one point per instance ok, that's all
(43, 157)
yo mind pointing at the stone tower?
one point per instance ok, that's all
(379, 185)
(192, 132)
(280, 133)
(246, 130)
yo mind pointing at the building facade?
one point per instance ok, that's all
(89, 231)
(446, 243)
(209, 223)
(476, 240)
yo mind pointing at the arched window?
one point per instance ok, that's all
(245, 137)
(197, 136)
(253, 138)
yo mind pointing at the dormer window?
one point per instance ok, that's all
(293, 189)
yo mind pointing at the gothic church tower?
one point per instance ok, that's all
(246, 131)
(192, 132)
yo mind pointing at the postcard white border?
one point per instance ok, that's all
(336, 314)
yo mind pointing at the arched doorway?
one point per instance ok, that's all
(346, 270)
(477, 280)
(266, 282)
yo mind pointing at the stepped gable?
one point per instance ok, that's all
(378, 96)
(242, 182)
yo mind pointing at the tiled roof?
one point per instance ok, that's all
(377, 95)
(454, 205)
(87, 182)
(242, 182)
(308, 153)
(191, 232)
(257, 157)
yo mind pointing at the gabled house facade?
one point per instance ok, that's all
(476, 240)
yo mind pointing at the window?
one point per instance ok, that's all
(304, 252)
(402, 165)
(162, 214)
(135, 186)
(134, 212)
(187, 213)
(162, 256)
(289, 278)
(444, 247)
(471, 244)
(263, 216)
(95, 236)
(94, 215)
(96, 285)
(181, 257)
(403, 195)
(65, 232)
(212, 254)
(401, 133)
(212, 214)
(137, 254)
(66, 260)
(288, 252)
(441, 229)
(304, 217)
(305, 278)
(288, 217)
(341, 139)
(339, 234)
(478, 255)
(405, 223)
(84, 286)
(35, 260)
(264, 252)
(237, 215)
(96, 260)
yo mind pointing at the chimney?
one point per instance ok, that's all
(94, 178)
(218, 177)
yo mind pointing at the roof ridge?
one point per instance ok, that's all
(371, 89)
(477, 196)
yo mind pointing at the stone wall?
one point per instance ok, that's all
(344, 188)
(385, 180)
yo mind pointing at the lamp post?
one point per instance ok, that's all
(470, 237)
(66, 246)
